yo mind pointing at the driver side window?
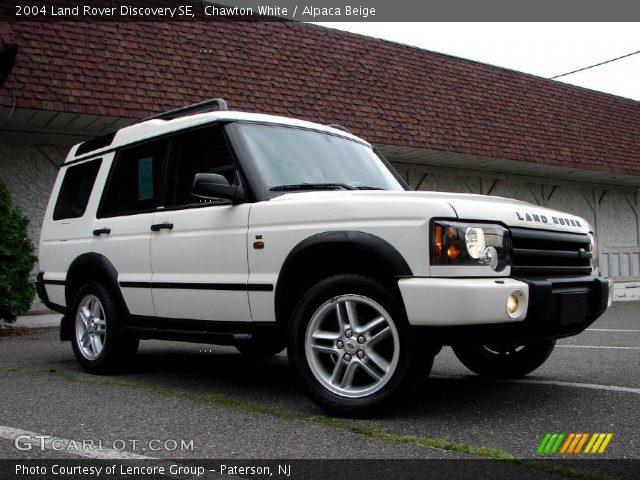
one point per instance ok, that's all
(200, 151)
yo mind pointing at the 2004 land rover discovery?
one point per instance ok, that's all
(266, 232)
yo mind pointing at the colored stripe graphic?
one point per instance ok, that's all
(607, 439)
(555, 447)
(582, 442)
(594, 437)
(568, 442)
(598, 442)
(572, 443)
(551, 442)
(543, 443)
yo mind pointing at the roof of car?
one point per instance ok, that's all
(152, 128)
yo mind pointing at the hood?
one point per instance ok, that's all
(514, 213)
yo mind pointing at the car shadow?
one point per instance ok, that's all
(205, 370)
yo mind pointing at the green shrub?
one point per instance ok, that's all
(16, 258)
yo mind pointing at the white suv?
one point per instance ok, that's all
(266, 232)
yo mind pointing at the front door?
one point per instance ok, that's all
(198, 247)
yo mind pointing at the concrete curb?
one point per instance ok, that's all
(35, 321)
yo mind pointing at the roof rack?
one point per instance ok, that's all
(339, 127)
(190, 109)
(95, 144)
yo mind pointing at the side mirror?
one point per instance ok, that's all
(215, 186)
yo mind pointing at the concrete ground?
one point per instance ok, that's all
(230, 407)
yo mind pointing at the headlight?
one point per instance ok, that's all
(595, 254)
(470, 244)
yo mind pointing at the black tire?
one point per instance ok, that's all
(118, 348)
(412, 359)
(261, 348)
(504, 361)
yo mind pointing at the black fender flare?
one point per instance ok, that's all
(107, 273)
(378, 248)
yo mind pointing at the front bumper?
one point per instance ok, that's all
(463, 310)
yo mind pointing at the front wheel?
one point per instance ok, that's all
(349, 342)
(504, 361)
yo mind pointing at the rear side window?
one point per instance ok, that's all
(135, 182)
(75, 190)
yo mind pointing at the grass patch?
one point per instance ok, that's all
(439, 443)
(370, 431)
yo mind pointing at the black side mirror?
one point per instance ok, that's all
(214, 186)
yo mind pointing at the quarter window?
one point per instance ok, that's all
(135, 183)
(75, 190)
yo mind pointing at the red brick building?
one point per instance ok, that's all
(444, 122)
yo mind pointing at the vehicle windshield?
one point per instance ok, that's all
(290, 158)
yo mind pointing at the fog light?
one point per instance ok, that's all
(516, 304)
(512, 304)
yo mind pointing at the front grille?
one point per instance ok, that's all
(541, 252)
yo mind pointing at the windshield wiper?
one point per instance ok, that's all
(366, 187)
(313, 186)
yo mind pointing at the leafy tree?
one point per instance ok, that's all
(16, 258)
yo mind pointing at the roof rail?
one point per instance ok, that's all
(95, 144)
(339, 127)
(190, 109)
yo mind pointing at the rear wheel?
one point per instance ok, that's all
(98, 342)
(349, 342)
(502, 361)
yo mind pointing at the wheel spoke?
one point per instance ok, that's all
(370, 371)
(341, 317)
(378, 360)
(325, 349)
(96, 344)
(373, 324)
(95, 309)
(84, 340)
(324, 335)
(352, 315)
(381, 335)
(85, 313)
(349, 373)
(337, 371)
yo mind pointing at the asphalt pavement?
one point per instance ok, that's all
(183, 400)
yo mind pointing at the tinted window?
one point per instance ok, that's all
(199, 151)
(75, 190)
(135, 182)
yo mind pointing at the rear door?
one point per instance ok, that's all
(66, 232)
(198, 247)
(122, 227)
